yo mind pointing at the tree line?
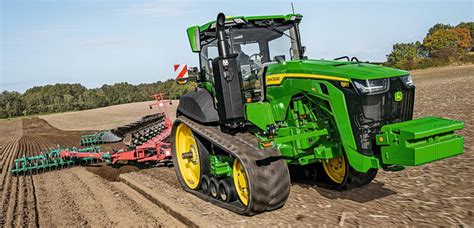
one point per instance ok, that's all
(75, 97)
(444, 44)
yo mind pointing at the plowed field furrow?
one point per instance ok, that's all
(113, 198)
(34, 218)
(13, 191)
(37, 146)
(31, 215)
(7, 161)
(7, 182)
(56, 205)
(22, 208)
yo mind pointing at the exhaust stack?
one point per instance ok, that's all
(222, 44)
(228, 82)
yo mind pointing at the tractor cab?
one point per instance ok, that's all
(251, 43)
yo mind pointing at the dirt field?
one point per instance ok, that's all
(437, 194)
(104, 118)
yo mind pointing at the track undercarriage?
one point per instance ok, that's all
(267, 177)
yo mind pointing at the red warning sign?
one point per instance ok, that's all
(181, 70)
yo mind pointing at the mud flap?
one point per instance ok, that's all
(420, 141)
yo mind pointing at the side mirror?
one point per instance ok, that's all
(194, 38)
(279, 58)
(303, 50)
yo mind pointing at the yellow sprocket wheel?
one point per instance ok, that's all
(240, 182)
(187, 154)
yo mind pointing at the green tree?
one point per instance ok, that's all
(441, 39)
(439, 26)
(11, 104)
(69, 97)
(403, 52)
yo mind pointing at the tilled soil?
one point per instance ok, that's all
(436, 194)
(67, 197)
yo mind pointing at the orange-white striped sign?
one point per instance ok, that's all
(181, 70)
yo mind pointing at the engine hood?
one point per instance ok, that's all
(341, 69)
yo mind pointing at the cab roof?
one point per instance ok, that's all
(230, 19)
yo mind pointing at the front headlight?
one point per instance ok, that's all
(371, 86)
(407, 81)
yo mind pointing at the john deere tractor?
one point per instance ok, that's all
(263, 109)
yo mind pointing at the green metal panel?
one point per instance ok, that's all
(420, 141)
(349, 70)
(279, 97)
(259, 114)
(193, 36)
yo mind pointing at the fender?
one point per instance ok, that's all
(199, 106)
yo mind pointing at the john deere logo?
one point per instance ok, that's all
(398, 96)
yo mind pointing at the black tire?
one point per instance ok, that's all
(214, 187)
(352, 179)
(310, 172)
(227, 191)
(205, 182)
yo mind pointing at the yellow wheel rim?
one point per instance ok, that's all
(335, 168)
(187, 155)
(240, 182)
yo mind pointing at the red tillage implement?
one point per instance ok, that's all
(147, 141)
(154, 150)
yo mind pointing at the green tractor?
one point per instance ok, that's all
(263, 109)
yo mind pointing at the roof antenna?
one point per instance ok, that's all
(292, 8)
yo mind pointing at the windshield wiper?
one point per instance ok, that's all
(210, 41)
(280, 32)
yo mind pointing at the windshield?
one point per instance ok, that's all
(270, 43)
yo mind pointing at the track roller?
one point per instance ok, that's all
(226, 191)
(214, 187)
(205, 182)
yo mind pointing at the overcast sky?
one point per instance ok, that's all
(108, 41)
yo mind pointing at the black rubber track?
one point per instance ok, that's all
(267, 173)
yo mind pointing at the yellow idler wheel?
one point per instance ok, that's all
(187, 155)
(240, 182)
(335, 168)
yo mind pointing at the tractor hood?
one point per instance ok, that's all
(341, 69)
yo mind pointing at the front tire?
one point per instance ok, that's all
(337, 173)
